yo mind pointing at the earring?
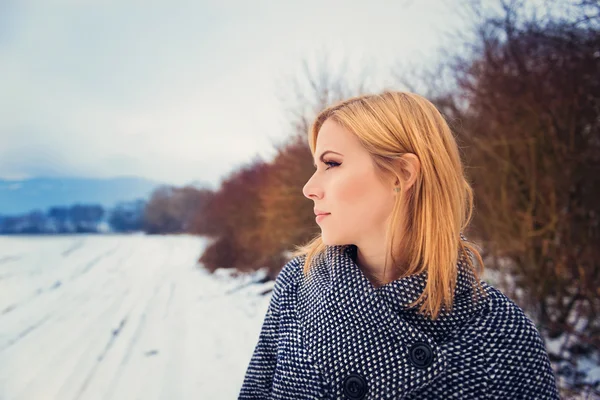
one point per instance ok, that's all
(396, 189)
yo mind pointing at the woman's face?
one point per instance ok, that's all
(346, 185)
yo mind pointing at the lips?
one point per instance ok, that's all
(320, 215)
(320, 212)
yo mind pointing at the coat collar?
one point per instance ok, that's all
(348, 325)
(398, 294)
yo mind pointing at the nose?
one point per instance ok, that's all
(311, 190)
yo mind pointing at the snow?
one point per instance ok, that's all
(122, 317)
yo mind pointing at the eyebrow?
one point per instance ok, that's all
(323, 155)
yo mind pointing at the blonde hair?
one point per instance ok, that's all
(440, 202)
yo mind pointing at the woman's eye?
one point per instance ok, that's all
(331, 164)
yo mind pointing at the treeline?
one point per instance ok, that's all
(254, 216)
(168, 210)
(77, 218)
(259, 212)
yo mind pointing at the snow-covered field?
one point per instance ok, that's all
(121, 317)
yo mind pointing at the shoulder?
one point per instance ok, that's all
(514, 349)
(504, 321)
(289, 276)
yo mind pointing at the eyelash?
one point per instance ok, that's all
(331, 162)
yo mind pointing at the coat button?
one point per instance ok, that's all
(421, 355)
(355, 387)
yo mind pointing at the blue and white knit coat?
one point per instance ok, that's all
(335, 336)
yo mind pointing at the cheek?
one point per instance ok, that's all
(361, 196)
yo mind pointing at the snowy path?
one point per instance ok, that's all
(120, 317)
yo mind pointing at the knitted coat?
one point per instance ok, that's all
(335, 336)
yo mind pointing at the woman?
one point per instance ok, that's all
(386, 303)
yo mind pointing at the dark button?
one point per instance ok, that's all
(421, 355)
(355, 387)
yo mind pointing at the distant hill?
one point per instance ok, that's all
(22, 196)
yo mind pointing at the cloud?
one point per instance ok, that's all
(173, 91)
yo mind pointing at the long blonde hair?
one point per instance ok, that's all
(440, 202)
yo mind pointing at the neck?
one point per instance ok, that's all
(373, 265)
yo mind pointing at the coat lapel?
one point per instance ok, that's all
(350, 327)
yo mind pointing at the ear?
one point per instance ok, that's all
(409, 168)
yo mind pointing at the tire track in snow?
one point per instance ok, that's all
(109, 344)
(134, 340)
(58, 283)
(40, 291)
(74, 338)
(116, 332)
(77, 245)
(94, 262)
(172, 290)
(24, 333)
(106, 349)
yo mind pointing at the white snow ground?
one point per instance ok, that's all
(122, 317)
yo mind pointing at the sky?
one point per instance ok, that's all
(181, 91)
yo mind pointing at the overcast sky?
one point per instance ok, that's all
(178, 91)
